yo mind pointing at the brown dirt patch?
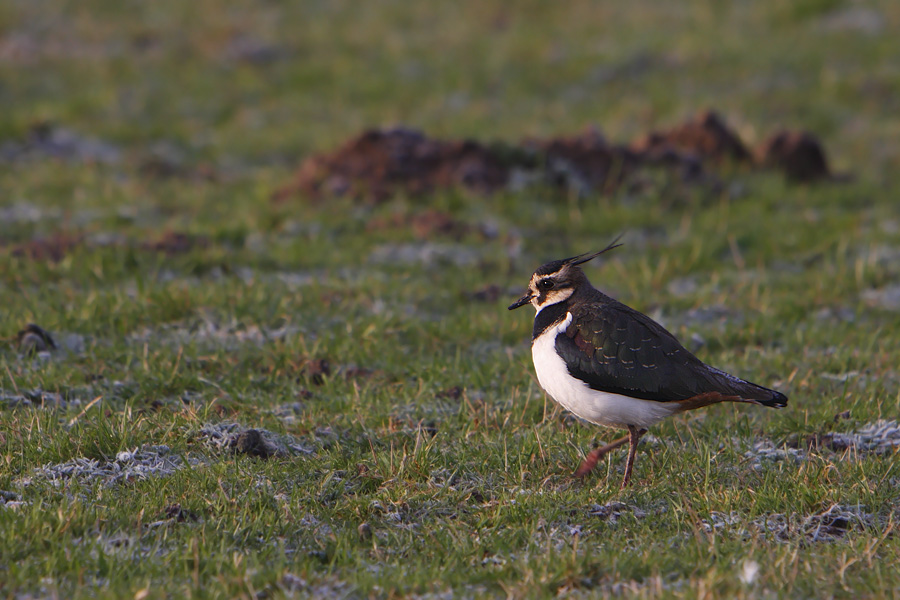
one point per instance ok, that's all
(381, 163)
(585, 161)
(799, 154)
(705, 136)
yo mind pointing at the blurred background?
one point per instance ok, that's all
(306, 220)
(248, 85)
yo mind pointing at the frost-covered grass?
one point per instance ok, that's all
(423, 459)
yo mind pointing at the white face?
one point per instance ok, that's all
(547, 290)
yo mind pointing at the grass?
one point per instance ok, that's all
(398, 485)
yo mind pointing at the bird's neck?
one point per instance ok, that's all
(549, 316)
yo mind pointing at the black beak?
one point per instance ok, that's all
(521, 301)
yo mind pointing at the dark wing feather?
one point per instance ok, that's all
(616, 349)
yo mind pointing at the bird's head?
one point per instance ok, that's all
(556, 281)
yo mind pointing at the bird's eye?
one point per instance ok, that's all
(546, 284)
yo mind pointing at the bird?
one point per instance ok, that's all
(612, 365)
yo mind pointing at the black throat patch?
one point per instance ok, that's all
(548, 317)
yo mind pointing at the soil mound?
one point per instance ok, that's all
(798, 153)
(380, 163)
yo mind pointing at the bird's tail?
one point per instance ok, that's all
(775, 400)
(751, 392)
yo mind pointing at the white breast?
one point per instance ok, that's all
(602, 408)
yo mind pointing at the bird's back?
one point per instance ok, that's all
(616, 349)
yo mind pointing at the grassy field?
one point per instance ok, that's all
(412, 453)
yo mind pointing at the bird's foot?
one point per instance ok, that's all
(588, 464)
(596, 454)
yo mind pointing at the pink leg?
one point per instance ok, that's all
(596, 454)
(634, 434)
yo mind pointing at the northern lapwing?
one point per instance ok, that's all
(614, 366)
